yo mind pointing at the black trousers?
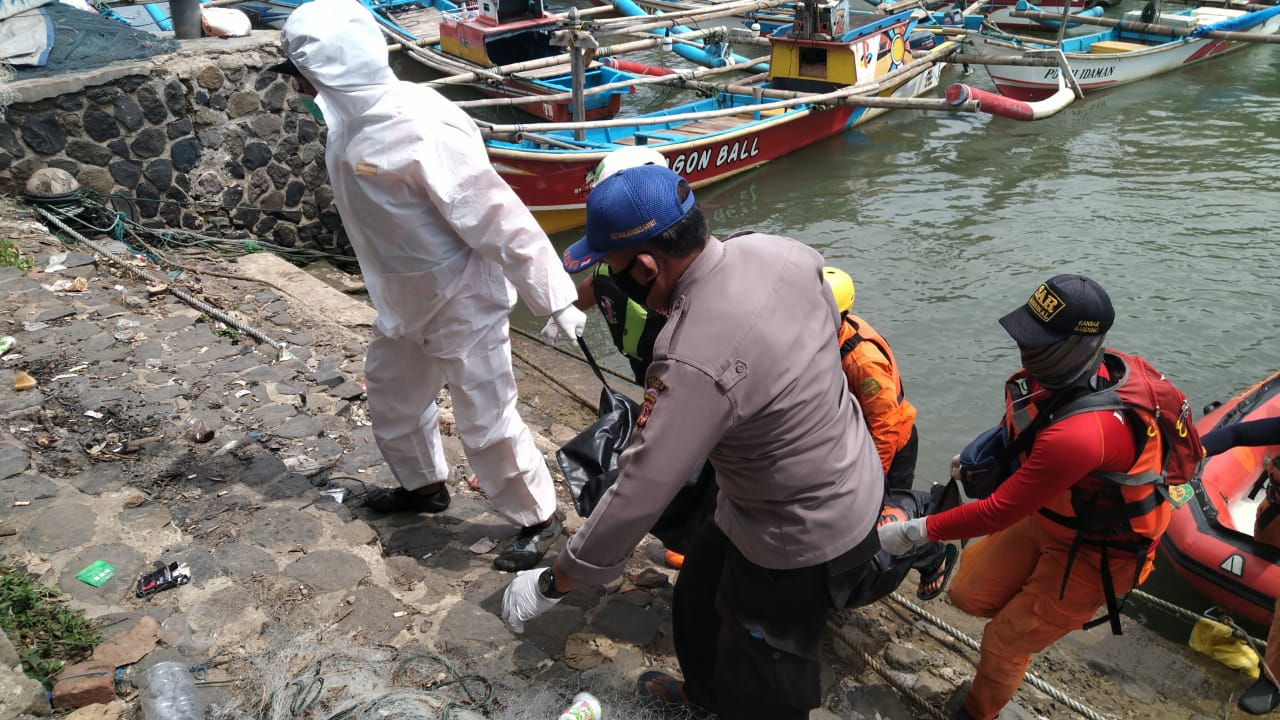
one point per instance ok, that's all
(749, 639)
(902, 471)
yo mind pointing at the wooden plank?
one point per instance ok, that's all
(422, 22)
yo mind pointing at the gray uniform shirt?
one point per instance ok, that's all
(747, 372)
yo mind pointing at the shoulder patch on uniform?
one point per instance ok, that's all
(869, 387)
(653, 388)
(365, 168)
(606, 309)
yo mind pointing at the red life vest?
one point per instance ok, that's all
(1112, 511)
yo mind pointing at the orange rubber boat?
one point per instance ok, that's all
(1210, 539)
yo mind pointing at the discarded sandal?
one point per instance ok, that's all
(1260, 699)
(933, 583)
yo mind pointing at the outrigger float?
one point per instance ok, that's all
(1210, 539)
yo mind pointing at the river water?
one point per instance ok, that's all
(1161, 191)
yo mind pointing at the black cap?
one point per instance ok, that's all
(286, 68)
(1063, 306)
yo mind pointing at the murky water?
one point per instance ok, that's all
(1161, 191)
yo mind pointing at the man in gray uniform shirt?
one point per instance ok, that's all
(746, 372)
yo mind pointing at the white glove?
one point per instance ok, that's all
(522, 601)
(569, 320)
(897, 538)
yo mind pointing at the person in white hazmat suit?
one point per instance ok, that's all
(441, 241)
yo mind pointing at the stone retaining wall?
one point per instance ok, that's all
(202, 139)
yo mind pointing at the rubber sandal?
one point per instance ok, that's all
(1260, 699)
(941, 575)
(662, 687)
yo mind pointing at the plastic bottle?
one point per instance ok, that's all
(170, 693)
(7, 343)
(585, 706)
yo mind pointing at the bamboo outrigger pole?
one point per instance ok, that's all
(678, 79)
(433, 39)
(1154, 28)
(853, 95)
(665, 20)
(547, 62)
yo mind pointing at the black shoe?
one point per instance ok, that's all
(393, 500)
(1260, 699)
(529, 545)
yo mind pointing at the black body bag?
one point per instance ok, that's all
(590, 466)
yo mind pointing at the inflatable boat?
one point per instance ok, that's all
(1210, 539)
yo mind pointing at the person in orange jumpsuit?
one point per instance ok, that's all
(874, 381)
(1263, 696)
(1029, 575)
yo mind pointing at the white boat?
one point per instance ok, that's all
(1117, 56)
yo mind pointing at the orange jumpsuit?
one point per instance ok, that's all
(874, 381)
(1015, 574)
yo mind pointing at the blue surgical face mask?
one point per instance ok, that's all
(309, 104)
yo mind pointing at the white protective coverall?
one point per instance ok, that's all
(441, 239)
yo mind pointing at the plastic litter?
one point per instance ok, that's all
(194, 631)
(7, 343)
(170, 693)
(198, 431)
(585, 706)
(35, 325)
(97, 573)
(169, 576)
(302, 464)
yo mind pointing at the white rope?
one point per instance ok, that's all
(1186, 614)
(1038, 683)
(884, 672)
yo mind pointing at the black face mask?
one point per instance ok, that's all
(629, 285)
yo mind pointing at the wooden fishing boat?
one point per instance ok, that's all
(1117, 56)
(957, 19)
(829, 49)
(999, 13)
(454, 39)
(1210, 539)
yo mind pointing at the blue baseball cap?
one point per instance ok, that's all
(627, 208)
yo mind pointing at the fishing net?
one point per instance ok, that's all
(84, 41)
(6, 95)
(310, 677)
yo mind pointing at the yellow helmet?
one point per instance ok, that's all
(841, 287)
